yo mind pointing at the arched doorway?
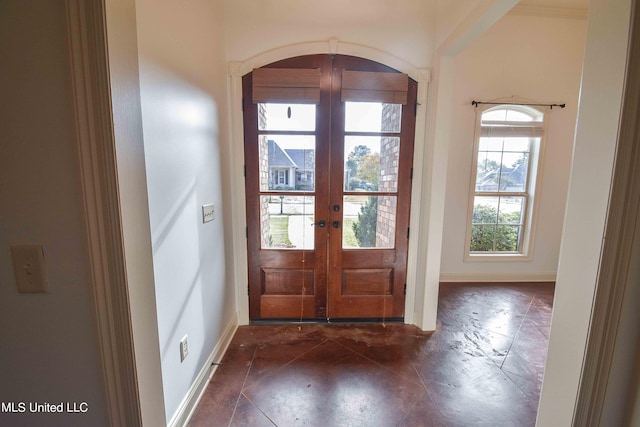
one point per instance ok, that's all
(328, 150)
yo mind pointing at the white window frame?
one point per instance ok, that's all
(534, 177)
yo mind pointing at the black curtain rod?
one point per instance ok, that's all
(476, 103)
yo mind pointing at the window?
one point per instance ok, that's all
(507, 147)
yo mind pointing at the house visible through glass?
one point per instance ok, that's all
(288, 162)
(287, 159)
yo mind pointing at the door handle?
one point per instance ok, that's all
(320, 224)
(336, 224)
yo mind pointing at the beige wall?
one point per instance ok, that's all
(183, 89)
(404, 28)
(530, 57)
(450, 15)
(48, 344)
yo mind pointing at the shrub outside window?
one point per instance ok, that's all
(507, 146)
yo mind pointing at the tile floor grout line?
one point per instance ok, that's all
(258, 408)
(462, 330)
(426, 389)
(246, 375)
(516, 334)
(499, 366)
(373, 361)
(508, 375)
(279, 368)
(420, 383)
(324, 340)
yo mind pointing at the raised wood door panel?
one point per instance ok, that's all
(335, 277)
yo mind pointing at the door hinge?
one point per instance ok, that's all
(249, 290)
(245, 170)
(411, 174)
(243, 104)
(408, 230)
(246, 232)
(405, 288)
(415, 109)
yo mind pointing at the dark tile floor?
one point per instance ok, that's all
(482, 367)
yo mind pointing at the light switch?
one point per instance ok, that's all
(208, 213)
(29, 268)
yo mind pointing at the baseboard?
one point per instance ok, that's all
(191, 400)
(498, 277)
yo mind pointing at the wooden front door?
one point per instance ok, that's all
(328, 150)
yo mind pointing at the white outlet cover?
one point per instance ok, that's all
(208, 213)
(184, 348)
(29, 268)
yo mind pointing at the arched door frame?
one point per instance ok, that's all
(423, 157)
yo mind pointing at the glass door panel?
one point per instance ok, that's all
(287, 162)
(371, 163)
(369, 222)
(296, 117)
(372, 117)
(286, 222)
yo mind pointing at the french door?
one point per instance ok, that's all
(328, 151)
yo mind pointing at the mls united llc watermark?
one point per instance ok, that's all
(44, 407)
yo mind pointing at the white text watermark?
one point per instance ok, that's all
(44, 407)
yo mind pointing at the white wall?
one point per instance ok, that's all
(595, 144)
(404, 27)
(134, 209)
(48, 346)
(530, 57)
(183, 88)
(450, 15)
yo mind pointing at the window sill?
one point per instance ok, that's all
(494, 257)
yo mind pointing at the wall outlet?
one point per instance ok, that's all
(184, 348)
(208, 212)
(29, 268)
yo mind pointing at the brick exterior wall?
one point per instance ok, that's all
(388, 179)
(263, 156)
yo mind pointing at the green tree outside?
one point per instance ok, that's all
(492, 234)
(365, 228)
(363, 166)
(369, 170)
